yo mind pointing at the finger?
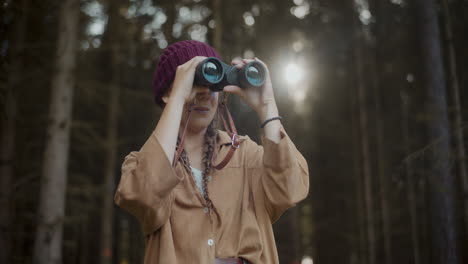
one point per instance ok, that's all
(233, 89)
(235, 61)
(238, 64)
(197, 60)
(247, 60)
(264, 64)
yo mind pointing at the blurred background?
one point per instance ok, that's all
(373, 93)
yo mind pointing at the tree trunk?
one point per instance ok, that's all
(218, 30)
(171, 13)
(383, 182)
(51, 214)
(375, 75)
(112, 43)
(458, 119)
(360, 247)
(112, 143)
(7, 154)
(441, 180)
(111, 162)
(8, 133)
(295, 234)
(83, 248)
(125, 237)
(411, 192)
(365, 148)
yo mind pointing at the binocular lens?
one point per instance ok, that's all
(254, 75)
(212, 72)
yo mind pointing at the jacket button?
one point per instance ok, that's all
(209, 178)
(210, 242)
(205, 209)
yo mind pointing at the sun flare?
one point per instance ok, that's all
(293, 73)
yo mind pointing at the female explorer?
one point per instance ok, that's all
(203, 195)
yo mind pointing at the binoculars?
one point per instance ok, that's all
(216, 74)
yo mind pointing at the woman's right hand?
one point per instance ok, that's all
(183, 81)
(180, 93)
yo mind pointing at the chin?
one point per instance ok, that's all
(200, 123)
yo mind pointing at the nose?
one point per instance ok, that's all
(203, 93)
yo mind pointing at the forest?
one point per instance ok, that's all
(372, 92)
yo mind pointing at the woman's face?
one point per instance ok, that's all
(205, 105)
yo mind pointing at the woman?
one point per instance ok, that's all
(191, 212)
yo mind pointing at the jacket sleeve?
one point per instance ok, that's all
(279, 174)
(146, 184)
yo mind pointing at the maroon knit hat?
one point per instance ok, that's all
(174, 55)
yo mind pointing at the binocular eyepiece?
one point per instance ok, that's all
(215, 74)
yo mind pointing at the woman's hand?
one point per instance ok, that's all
(261, 99)
(180, 93)
(183, 81)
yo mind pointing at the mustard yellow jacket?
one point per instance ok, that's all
(249, 194)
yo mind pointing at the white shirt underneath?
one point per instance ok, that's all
(198, 176)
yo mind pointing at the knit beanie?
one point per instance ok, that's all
(174, 55)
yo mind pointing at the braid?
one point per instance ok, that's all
(208, 151)
(210, 140)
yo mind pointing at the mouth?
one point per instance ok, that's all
(201, 109)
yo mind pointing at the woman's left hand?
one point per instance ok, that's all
(261, 99)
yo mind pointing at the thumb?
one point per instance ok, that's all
(232, 89)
